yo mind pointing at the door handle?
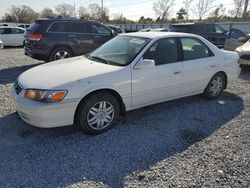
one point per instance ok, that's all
(72, 36)
(213, 66)
(177, 72)
(97, 37)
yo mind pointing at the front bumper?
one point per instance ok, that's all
(45, 115)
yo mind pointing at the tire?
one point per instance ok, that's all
(60, 53)
(98, 113)
(215, 86)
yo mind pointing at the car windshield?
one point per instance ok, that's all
(119, 51)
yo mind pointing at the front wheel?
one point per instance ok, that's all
(216, 86)
(97, 113)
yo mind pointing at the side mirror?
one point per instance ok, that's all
(112, 33)
(242, 39)
(145, 63)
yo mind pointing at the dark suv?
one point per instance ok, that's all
(211, 31)
(53, 39)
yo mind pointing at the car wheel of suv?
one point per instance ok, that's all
(60, 53)
(216, 86)
(97, 113)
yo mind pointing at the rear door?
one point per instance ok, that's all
(6, 36)
(17, 36)
(232, 41)
(199, 65)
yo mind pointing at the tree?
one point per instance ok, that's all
(218, 14)
(21, 14)
(64, 10)
(202, 8)
(144, 20)
(180, 15)
(47, 13)
(9, 18)
(238, 6)
(162, 8)
(96, 13)
(83, 13)
(187, 4)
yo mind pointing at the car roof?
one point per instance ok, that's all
(10, 27)
(159, 34)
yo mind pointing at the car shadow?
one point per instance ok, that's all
(245, 72)
(64, 156)
(9, 75)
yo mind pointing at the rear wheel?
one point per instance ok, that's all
(97, 113)
(216, 86)
(60, 53)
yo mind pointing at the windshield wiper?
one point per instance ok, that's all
(100, 59)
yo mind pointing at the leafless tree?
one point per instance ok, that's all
(83, 13)
(162, 8)
(187, 4)
(96, 13)
(202, 7)
(238, 8)
(47, 13)
(21, 14)
(65, 10)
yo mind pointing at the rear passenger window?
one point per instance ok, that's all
(16, 31)
(57, 27)
(194, 49)
(163, 51)
(68, 27)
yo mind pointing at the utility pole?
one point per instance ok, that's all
(102, 9)
(74, 10)
(245, 7)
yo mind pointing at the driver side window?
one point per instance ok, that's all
(163, 51)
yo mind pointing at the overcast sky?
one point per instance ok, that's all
(132, 9)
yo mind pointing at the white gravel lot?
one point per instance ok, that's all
(190, 142)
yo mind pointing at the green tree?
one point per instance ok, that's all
(180, 15)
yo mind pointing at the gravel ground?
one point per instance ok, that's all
(189, 142)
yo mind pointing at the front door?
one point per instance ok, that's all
(232, 41)
(161, 82)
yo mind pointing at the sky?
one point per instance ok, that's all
(132, 9)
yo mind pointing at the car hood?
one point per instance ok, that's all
(244, 49)
(50, 75)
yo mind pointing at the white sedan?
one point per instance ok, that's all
(12, 36)
(128, 72)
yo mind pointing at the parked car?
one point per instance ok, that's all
(244, 53)
(154, 30)
(12, 36)
(53, 39)
(235, 38)
(145, 30)
(239, 42)
(116, 29)
(128, 72)
(210, 31)
(1, 44)
(25, 26)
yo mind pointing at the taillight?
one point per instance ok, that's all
(35, 37)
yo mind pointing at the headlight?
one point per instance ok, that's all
(45, 95)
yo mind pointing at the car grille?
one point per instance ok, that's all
(18, 88)
(245, 57)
